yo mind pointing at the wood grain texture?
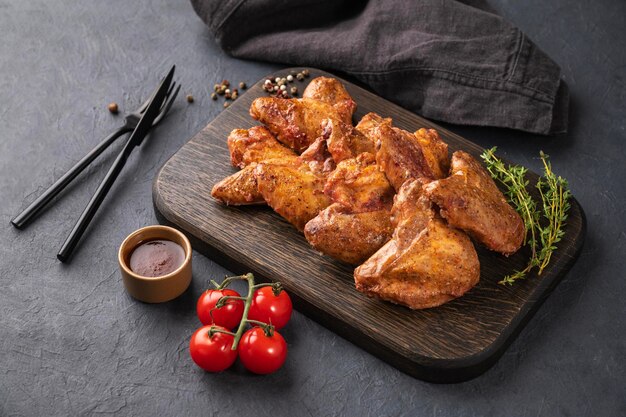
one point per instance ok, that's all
(451, 343)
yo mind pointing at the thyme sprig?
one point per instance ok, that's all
(555, 196)
(541, 236)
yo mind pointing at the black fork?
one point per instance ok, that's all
(130, 122)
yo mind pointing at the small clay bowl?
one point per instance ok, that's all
(155, 289)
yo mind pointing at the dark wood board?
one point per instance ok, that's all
(451, 343)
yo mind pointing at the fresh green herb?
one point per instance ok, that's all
(541, 237)
(555, 196)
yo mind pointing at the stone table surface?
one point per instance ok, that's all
(72, 342)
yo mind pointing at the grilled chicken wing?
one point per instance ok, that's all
(435, 151)
(426, 263)
(292, 190)
(401, 155)
(247, 147)
(369, 123)
(255, 145)
(317, 157)
(360, 184)
(331, 91)
(295, 122)
(238, 189)
(470, 200)
(358, 223)
(347, 236)
(344, 141)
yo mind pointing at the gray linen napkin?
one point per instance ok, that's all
(444, 59)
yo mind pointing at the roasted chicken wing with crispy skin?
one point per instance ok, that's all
(359, 183)
(470, 200)
(344, 141)
(333, 92)
(292, 190)
(426, 263)
(239, 189)
(369, 123)
(296, 123)
(317, 157)
(435, 151)
(401, 155)
(255, 145)
(248, 147)
(347, 236)
(358, 222)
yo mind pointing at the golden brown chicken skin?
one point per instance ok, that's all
(292, 190)
(333, 92)
(401, 156)
(344, 141)
(426, 263)
(347, 236)
(435, 151)
(360, 184)
(248, 147)
(317, 157)
(470, 200)
(255, 145)
(238, 189)
(358, 223)
(296, 123)
(369, 123)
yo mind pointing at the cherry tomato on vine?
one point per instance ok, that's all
(269, 308)
(212, 353)
(229, 315)
(260, 353)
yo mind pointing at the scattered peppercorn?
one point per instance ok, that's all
(305, 72)
(216, 87)
(226, 104)
(213, 96)
(189, 98)
(294, 90)
(300, 76)
(243, 85)
(113, 108)
(290, 78)
(226, 83)
(228, 95)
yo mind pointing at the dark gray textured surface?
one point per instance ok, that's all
(73, 342)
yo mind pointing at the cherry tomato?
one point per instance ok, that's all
(229, 315)
(212, 353)
(269, 308)
(260, 353)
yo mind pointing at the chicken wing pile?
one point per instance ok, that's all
(372, 195)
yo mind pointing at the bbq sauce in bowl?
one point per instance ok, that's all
(156, 258)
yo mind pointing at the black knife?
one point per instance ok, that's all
(142, 129)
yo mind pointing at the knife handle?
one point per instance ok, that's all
(40, 203)
(92, 207)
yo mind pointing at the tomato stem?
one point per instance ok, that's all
(223, 299)
(267, 328)
(228, 280)
(214, 330)
(246, 309)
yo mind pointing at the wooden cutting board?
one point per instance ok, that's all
(451, 343)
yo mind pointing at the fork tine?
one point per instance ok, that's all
(166, 107)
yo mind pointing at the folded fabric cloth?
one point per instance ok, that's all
(444, 59)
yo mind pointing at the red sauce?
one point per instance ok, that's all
(156, 258)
